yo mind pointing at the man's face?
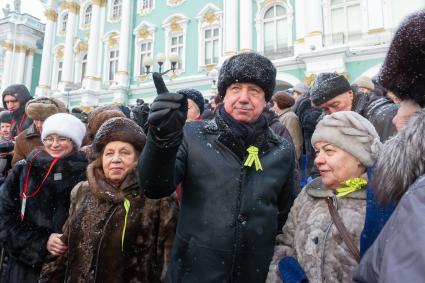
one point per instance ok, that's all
(342, 102)
(244, 102)
(12, 104)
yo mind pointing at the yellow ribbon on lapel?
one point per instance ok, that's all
(253, 158)
(127, 209)
(352, 185)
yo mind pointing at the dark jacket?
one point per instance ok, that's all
(379, 110)
(26, 142)
(20, 121)
(94, 229)
(45, 213)
(230, 214)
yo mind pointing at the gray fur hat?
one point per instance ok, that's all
(327, 86)
(248, 67)
(350, 132)
(42, 107)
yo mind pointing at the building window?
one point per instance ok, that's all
(145, 51)
(275, 28)
(60, 69)
(211, 45)
(177, 46)
(63, 24)
(113, 64)
(83, 67)
(87, 15)
(146, 4)
(116, 9)
(346, 20)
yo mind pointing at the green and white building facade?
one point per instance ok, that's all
(93, 52)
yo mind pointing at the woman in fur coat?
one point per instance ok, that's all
(346, 145)
(114, 233)
(34, 201)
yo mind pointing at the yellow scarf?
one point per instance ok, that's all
(351, 185)
(253, 158)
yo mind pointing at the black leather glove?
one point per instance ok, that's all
(167, 115)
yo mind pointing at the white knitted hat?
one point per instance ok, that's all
(66, 125)
(350, 132)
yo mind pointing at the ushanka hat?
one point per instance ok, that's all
(327, 86)
(247, 67)
(350, 132)
(119, 129)
(42, 107)
(65, 125)
(195, 96)
(403, 70)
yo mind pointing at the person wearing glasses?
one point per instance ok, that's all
(34, 201)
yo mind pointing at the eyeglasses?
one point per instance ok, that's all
(51, 139)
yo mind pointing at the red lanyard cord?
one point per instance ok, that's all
(20, 123)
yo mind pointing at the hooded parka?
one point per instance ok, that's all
(45, 212)
(230, 213)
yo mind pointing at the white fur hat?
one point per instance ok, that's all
(66, 125)
(350, 132)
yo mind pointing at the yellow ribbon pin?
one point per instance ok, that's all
(352, 185)
(253, 158)
(127, 209)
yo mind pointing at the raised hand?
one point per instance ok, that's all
(167, 114)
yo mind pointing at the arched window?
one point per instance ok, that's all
(113, 63)
(147, 4)
(87, 15)
(116, 8)
(346, 20)
(275, 28)
(60, 69)
(211, 45)
(64, 22)
(145, 51)
(83, 67)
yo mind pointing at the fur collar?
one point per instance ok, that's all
(103, 190)
(317, 190)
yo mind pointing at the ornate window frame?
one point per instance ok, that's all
(57, 65)
(144, 33)
(110, 43)
(147, 10)
(208, 18)
(260, 22)
(113, 4)
(80, 51)
(83, 15)
(62, 23)
(175, 25)
(175, 3)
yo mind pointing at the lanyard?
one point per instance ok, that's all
(24, 194)
(18, 130)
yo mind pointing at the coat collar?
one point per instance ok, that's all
(317, 190)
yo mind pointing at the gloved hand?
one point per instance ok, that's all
(167, 115)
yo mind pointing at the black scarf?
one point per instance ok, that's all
(246, 132)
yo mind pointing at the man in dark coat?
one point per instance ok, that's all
(14, 99)
(236, 173)
(333, 93)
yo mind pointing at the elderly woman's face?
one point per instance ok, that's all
(336, 165)
(57, 146)
(118, 159)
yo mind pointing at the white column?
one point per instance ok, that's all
(122, 71)
(47, 56)
(300, 25)
(230, 29)
(246, 22)
(68, 59)
(375, 15)
(5, 82)
(28, 68)
(92, 79)
(18, 76)
(314, 30)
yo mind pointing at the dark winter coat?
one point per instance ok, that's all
(20, 121)
(379, 110)
(230, 214)
(45, 213)
(93, 233)
(26, 142)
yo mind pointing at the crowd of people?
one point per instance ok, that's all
(320, 183)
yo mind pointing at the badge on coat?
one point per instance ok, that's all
(57, 176)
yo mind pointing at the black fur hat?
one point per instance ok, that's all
(248, 67)
(327, 86)
(403, 71)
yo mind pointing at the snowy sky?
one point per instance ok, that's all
(32, 7)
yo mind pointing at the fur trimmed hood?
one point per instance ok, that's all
(402, 161)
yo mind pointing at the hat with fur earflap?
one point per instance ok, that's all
(65, 125)
(327, 86)
(42, 107)
(403, 70)
(247, 67)
(350, 132)
(119, 129)
(97, 117)
(195, 96)
(6, 116)
(364, 82)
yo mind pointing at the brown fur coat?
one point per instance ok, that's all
(94, 232)
(311, 238)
